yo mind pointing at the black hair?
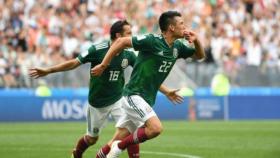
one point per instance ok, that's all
(166, 19)
(117, 27)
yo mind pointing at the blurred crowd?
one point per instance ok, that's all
(235, 33)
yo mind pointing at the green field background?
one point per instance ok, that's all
(206, 139)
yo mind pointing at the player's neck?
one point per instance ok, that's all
(169, 39)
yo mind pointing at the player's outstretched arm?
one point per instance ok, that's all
(117, 47)
(171, 94)
(40, 72)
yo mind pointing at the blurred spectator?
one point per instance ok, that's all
(43, 90)
(220, 85)
(240, 36)
(3, 65)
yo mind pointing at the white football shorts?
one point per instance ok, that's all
(98, 117)
(137, 111)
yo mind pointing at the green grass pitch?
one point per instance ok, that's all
(205, 139)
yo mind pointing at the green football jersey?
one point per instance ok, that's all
(153, 64)
(107, 88)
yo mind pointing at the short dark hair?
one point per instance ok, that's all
(166, 19)
(117, 27)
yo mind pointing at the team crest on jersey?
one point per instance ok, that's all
(124, 63)
(175, 52)
(148, 109)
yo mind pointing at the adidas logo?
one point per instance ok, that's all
(160, 53)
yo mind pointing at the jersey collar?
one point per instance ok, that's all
(165, 42)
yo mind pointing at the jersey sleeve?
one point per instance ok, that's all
(142, 42)
(184, 49)
(87, 55)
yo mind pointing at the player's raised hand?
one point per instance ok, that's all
(97, 70)
(174, 97)
(190, 36)
(38, 72)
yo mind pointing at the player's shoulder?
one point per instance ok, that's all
(182, 41)
(101, 45)
(156, 39)
(149, 36)
(155, 36)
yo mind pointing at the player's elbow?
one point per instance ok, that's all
(200, 56)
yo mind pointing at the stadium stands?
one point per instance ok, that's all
(241, 37)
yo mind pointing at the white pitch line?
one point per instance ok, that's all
(169, 154)
(141, 152)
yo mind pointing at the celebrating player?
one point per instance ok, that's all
(157, 55)
(105, 92)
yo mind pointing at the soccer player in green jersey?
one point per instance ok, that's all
(157, 55)
(105, 92)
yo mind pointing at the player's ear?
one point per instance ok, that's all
(172, 27)
(118, 35)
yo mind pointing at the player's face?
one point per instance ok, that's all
(179, 27)
(126, 31)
